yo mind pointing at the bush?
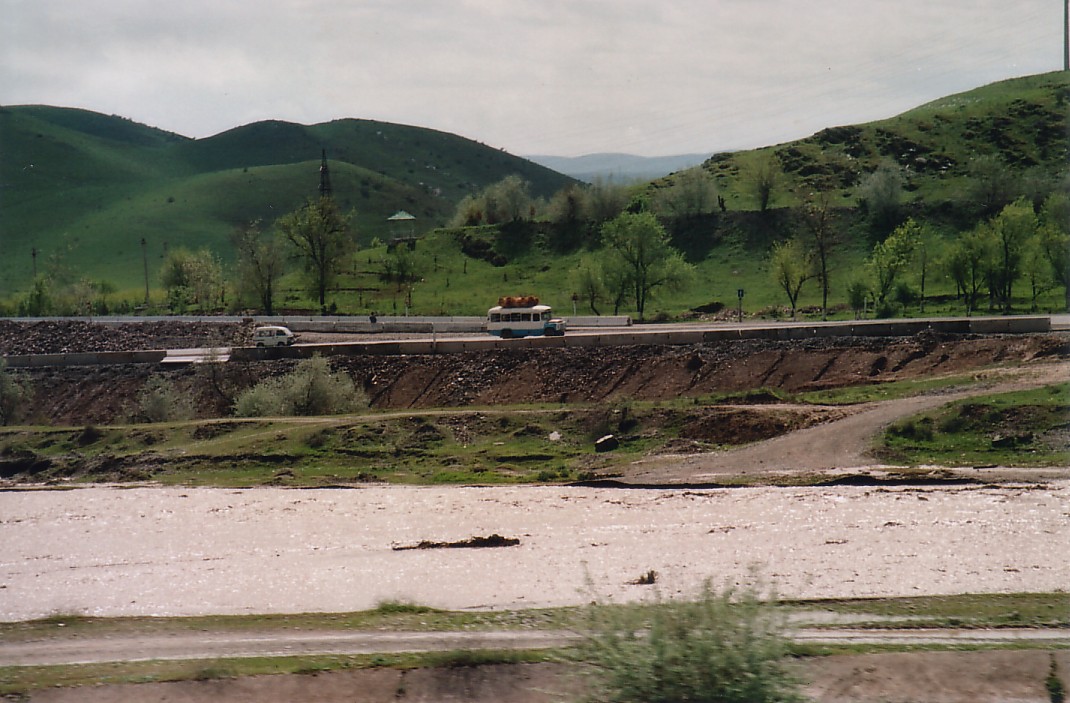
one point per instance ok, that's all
(310, 389)
(160, 401)
(15, 394)
(726, 646)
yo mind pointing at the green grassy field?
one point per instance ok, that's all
(1024, 428)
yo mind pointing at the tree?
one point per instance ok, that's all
(880, 195)
(1036, 270)
(993, 186)
(926, 251)
(968, 261)
(641, 245)
(320, 234)
(1054, 236)
(1012, 227)
(588, 281)
(605, 200)
(691, 193)
(891, 257)
(509, 200)
(763, 176)
(791, 268)
(192, 278)
(261, 264)
(724, 647)
(820, 224)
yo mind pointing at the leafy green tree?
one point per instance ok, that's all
(588, 281)
(820, 223)
(790, 267)
(261, 264)
(509, 200)
(724, 647)
(881, 195)
(926, 252)
(890, 258)
(605, 200)
(567, 206)
(320, 234)
(993, 185)
(192, 278)
(15, 394)
(38, 301)
(1036, 270)
(691, 193)
(968, 262)
(400, 265)
(762, 177)
(641, 249)
(1054, 236)
(1012, 227)
(858, 293)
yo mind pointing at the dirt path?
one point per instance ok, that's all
(842, 444)
(216, 645)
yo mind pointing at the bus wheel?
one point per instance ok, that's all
(507, 334)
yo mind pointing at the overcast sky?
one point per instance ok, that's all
(559, 77)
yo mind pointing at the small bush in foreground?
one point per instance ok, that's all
(310, 389)
(725, 646)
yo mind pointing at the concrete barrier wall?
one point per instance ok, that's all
(85, 359)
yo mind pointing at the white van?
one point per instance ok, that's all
(273, 336)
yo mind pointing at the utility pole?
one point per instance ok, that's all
(325, 177)
(145, 262)
(1066, 35)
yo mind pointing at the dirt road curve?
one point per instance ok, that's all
(840, 445)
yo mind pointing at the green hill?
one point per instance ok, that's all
(1020, 124)
(83, 189)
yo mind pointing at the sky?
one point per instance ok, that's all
(550, 77)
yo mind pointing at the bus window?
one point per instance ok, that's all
(495, 317)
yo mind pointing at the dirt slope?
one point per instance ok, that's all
(82, 395)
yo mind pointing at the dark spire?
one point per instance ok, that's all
(325, 177)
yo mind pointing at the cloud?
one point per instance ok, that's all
(532, 76)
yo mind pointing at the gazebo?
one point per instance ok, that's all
(403, 229)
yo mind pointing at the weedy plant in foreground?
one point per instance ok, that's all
(726, 646)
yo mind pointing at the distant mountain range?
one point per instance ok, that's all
(618, 168)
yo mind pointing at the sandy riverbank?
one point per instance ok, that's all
(171, 551)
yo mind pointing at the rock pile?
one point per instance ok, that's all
(75, 336)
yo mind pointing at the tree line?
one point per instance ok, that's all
(632, 242)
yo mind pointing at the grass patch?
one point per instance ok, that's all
(891, 390)
(1023, 428)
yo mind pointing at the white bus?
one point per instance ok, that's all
(523, 316)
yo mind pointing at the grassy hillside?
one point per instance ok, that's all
(83, 189)
(1022, 124)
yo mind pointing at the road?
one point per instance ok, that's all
(224, 645)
